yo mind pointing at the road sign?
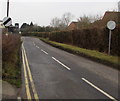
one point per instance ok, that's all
(7, 21)
(111, 25)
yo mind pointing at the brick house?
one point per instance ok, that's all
(115, 16)
(72, 26)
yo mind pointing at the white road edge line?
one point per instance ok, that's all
(103, 92)
(44, 51)
(61, 63)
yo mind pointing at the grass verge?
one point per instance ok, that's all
(113, 61)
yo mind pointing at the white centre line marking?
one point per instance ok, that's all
(37, 46)
(103, 92)
(44, 51)
(61, 63)
(33, 43)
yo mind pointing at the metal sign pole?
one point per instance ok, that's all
(111, 26)
(7, 8)
(110, 33)
(7, 13)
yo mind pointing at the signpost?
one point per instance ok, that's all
(7, 8)
(111, 26)
(7, 21)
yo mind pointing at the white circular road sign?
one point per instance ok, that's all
(7, 21)
(111, 25)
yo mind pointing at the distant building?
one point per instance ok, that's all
(14, 29)
(72, 26)
(115, 16)
(111, 16)
(0, 22)
(1, 25)
(17, 25)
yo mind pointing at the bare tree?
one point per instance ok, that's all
(63, 22)
(55, 22)
(84, 21)
(95, 18)
(66, 18)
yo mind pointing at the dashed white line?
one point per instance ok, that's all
(33, 44)
(44, 51)
(103, 92)
(61, 63)
(37, 46)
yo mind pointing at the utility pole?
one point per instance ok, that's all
(7, 8)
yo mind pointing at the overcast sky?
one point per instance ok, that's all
(42, 11)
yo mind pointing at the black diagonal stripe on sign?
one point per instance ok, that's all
(7, 21)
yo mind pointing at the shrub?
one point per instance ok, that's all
(11, 59)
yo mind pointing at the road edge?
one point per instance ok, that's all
(114, 66)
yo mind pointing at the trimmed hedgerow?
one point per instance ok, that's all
(90, 38)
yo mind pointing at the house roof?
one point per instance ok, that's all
(114, 16)
(73, 22)
(111, 16)
(73, 25)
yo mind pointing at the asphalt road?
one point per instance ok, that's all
(60, 75)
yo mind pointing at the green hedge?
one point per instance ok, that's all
(92, 38)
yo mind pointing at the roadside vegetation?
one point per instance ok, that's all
(11, 63)
(92, 54)
(90, 38)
